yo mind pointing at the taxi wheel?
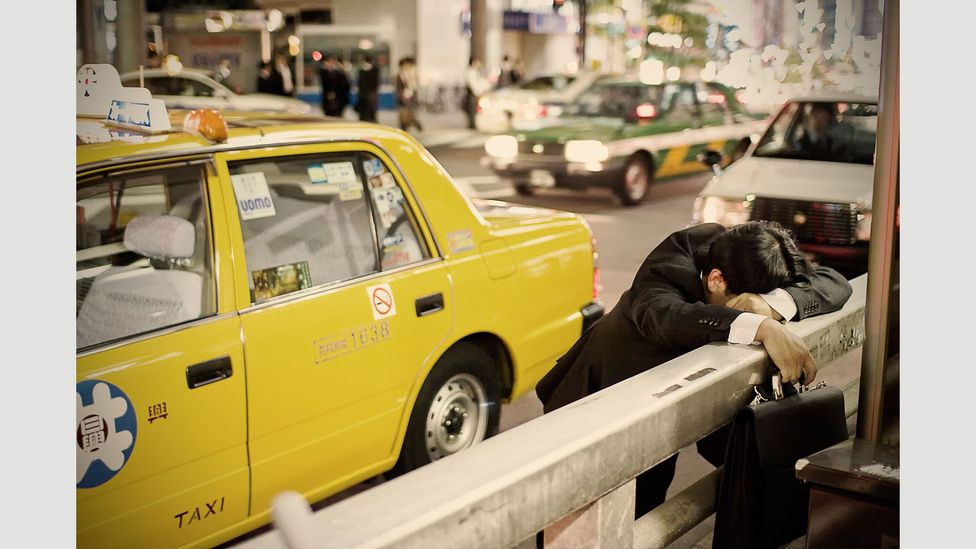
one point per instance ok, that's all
(525, 189)
(633, 186)
(459, 405)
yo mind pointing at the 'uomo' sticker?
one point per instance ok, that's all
(106, 432)
(253, 196)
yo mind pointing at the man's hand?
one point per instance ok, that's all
(753, 303)
(787, 351)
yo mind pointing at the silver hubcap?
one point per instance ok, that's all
(458, 416)
(635, 180)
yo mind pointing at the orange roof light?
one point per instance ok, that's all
(207, 123)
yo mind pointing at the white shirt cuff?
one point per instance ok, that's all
(782, 302)
(743, 329)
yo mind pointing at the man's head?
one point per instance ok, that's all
(820, 118)
(755, 257)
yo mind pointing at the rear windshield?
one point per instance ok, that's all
(613, 99)
(826, 131)
(547, 83)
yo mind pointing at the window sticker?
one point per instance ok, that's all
(350, 191)
(383, 181)
(281, 280)
(373, 167)
(388, 204)
(253, 197)
(393, 241)
(340, 172)
(460, 241)
(381, 301)
(316, 174)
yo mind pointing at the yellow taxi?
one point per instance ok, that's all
(269, 302)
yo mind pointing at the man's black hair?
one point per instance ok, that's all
(757, 257)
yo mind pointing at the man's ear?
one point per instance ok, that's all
(714, 281)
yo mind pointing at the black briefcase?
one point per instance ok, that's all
(760, 502)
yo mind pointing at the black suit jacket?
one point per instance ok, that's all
(664, 315)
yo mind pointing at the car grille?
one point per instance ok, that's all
(811, 222)
(548, 149)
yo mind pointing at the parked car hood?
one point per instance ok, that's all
(797, 179)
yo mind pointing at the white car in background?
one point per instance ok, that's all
(526, 106)
(819, 189)
(196, 89)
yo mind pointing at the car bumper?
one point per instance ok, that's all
(530, 169)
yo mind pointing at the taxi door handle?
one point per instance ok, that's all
(208, 372)
(430, 304)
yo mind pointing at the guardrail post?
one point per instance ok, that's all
(607, 522)
(292, 516)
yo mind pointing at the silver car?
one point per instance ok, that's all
(196, 89)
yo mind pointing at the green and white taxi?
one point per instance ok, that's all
(622, 133)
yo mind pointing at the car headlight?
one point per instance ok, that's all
(502, 146)
(586, 151)
(716, 209)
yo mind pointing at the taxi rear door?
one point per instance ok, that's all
(342, 304)
(160, 439)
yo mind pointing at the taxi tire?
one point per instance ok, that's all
(638, 165)
(525, 189)
(463, 358)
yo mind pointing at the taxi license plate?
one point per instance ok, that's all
(541, 178)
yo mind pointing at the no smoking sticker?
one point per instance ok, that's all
(381, 301)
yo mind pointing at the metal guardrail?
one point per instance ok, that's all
(579, 461)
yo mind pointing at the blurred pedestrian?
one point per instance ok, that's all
(518, 71)
(345, 71)
(335, 86)
(287, 83)
(406, 94)
(475, 85)
(506, 73)
(268, 80)
(368, 82)
(222, 70)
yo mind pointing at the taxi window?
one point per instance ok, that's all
(399, 237)
(142, 253)
(305, 221)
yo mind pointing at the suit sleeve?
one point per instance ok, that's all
(663, 302)
(827, 292)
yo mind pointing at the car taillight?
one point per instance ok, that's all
(483, 104)
(646, 110)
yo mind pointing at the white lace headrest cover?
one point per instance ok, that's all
(160, 236)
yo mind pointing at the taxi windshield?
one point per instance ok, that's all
(820, 130)
(613, 99)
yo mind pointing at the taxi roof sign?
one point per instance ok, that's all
(100, 93)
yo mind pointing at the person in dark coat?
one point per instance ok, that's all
(269, 81)
(702, 284)
(335, 86)
(368, 82)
